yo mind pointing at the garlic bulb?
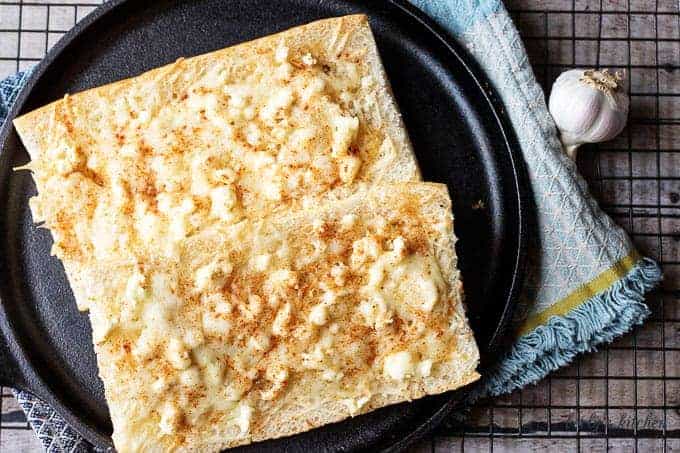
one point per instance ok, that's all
(588, 106)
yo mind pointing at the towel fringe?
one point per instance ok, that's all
(598, 320)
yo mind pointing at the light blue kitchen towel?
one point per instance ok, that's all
(585, 283)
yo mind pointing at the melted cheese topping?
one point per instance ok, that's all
(228, 145)
(369, 319)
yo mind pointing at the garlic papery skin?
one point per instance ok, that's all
(588, 106)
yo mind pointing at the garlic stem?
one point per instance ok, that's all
(570, 150)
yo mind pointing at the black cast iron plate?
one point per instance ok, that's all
(457, 126)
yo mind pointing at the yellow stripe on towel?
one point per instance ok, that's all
(582, 294)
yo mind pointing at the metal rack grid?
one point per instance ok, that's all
(625, 397)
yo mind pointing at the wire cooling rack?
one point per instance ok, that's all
(625, 397)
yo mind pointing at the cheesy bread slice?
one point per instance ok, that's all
(235, 134)
(272, 327)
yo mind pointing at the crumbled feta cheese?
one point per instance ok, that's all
(319, 315)
(398, 365)
(170, 417)
(178, 355)
(425, 368)
(280, 324)
(244, 414)
(308, 60)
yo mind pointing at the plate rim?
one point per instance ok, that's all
(27, 376)
(524, 204)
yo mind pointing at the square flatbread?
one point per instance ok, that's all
(272, 327)
(267, 125)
